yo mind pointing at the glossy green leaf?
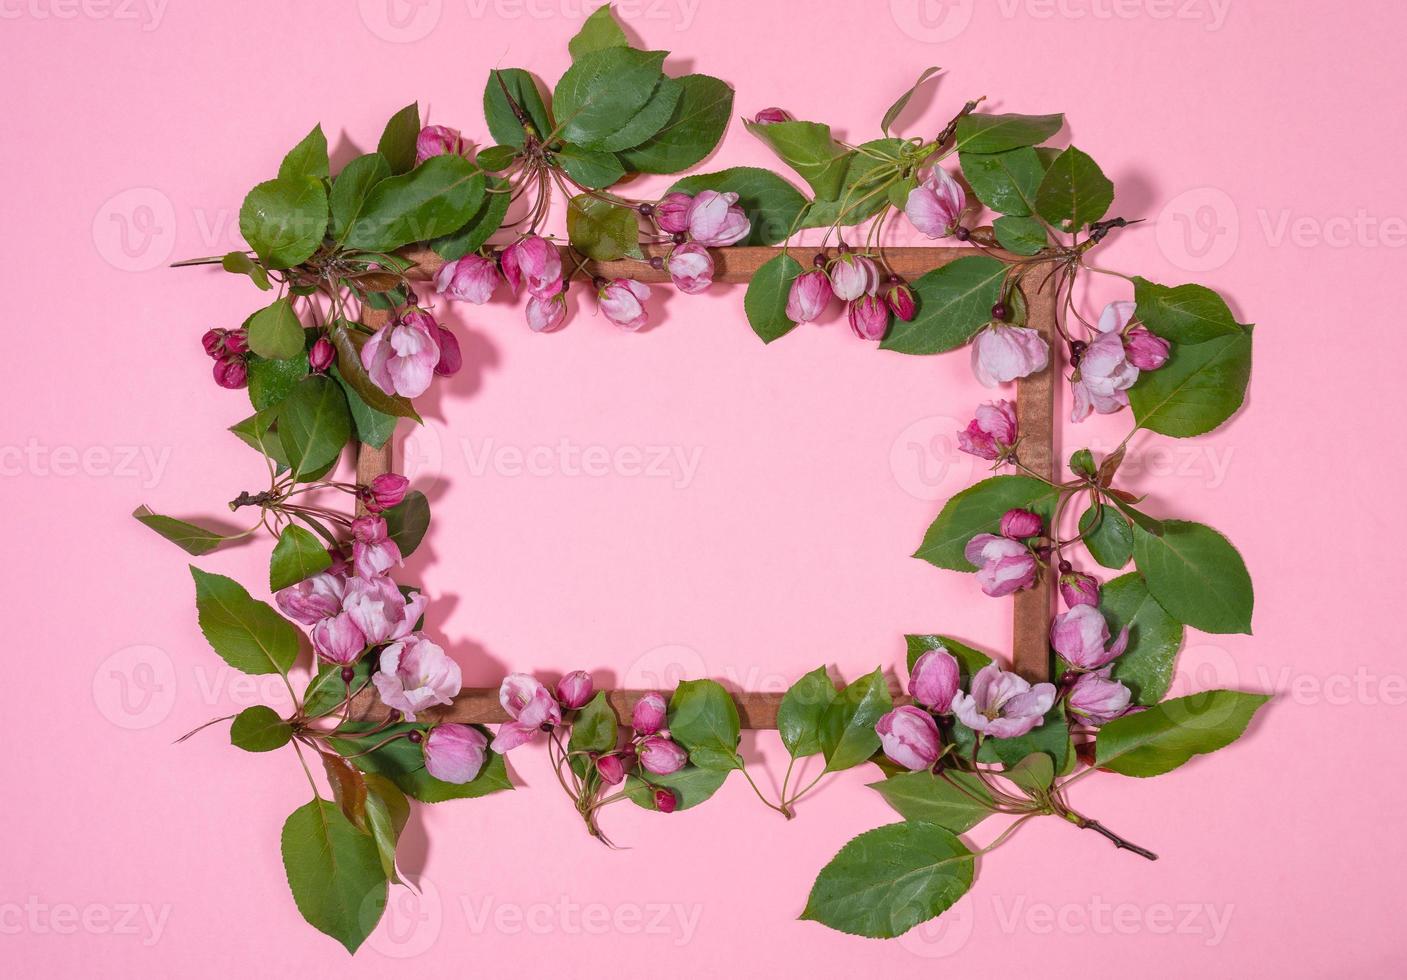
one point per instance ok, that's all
(242, 265)
(1107, 536)
(246, 633)
(596, 728)
(298, 555)
(651, 118)
(599, 31)
(1033, 774)
(1187, 314)
(372, 428)
(258, 728)
(314, 425)
(847, 732)
(397, 143)
(601, 92)
(1199, 388)
(1020, 236)
(809, 149)
(403, 762)
(590, 168)
(892, 113)
(704, 719)
(335, 873)
(308, 158)
(477, 230)
(601, 230)
(284, 220)
(1158, 740)
(327, 691)
(1074, 191)
(952, 799)
(1005, 182)
(1197, 576)
(979, 510)
(954, 302)
(498, 112)
(407, 522)
(350, 190)
(771, 204)
(766, 300)
(799, 715)
(436, 198)
(271, 381)
(691, 132)
(386, 813)
(981, 132)
(190, 538)
(275, 331)
(1146, 667)
(869, 174)
(691, 786)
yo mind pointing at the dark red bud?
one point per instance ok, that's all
(321, 356)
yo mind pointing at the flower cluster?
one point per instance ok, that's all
(1007, 562)
(854, 279)
(403, 357)
(230, 351)
(1108, 365)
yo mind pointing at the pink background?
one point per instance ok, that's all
(1262, 140)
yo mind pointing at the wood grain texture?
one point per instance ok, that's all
(1035, 406)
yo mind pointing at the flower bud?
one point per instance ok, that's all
(622, 301)
(901, 301)
(992, 431)
(649, 714)
(809, 296)
(321, 356)
(909, 736)
(672, 212)
(451, 360)
(665, 800)
(1081, 636)
(662, 756)
(1018, 524)
(384, 492)
(338, 640)
(455, 753)
(214, 342)
(934, 680)
(546, 315)
(935, 205)
(716, 219)
(610, 769)
(1145, 350)
(574, 690)
(853, 276)
(535, 261)
(1079, 589)
(691, 268)
(237, 341)
(231, 372)
(472, 278)
(1098, 699)
(869, 318)
(772, 115)
(433, 141)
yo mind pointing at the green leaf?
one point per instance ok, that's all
(766, 298)
(1146, 667)
(350, 190)
(190, 538)
(297, 556)
(259, 729)
(386, 813)
(1137, 517)
(809, 149)
(1197, 576)
(271, 381)
(952, 799)
(403, 763)
(595, 728)
(407, 522)
(892, 113)
(1106, 536)
(691, 786)
(978, 510)
(327, 691)
(351, 372)
(497, 158)
(1074, 191)
(436, 198)
(863, 189)
(1005, 182)
(692, 131)
(847, 732)
(599, 31)
(246, 633)
(1199, 388)
(1187, 314)
(397, 143)
(601, 92)
(888, 880)
(954, 302)
(590, 168)
(770, 202)
(601, 230)
(1158, 740)
(800, 713)
(498, 113)
(314, 425)
(1021, 236)
(335, 873)
(704, 719)
(372, 428)
(970, 660)
(275, 331)
(242, 265)
(308, 158)
(284, 220)
(256, 431)
(648, 121)
(477, 230)
(1033, 774)
(985, 133)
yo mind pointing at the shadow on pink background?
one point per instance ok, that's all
(767, 535)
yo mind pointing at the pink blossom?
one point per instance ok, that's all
(451, 359)
(537, 262)
(665, 800)
(661, 755)
(1145, 350)
(1003, 704)
(691, 268)
(1004, 566)
(992, 432)
(869, 318)
(574, 690)
(384, 492)
(935, 205)
(373, 552)
(1097, 698)
(1018, 523)
(934, 679)
(1079, 589)
(1104, 373)
(546, 315)
(338, 639)
(472, 278)
(1081, 636)
(901, 301)
(809, 296)
(1003, 353)
(231, 372)
(649, 713)
(321, 356)
(611, 769)
(622, 300)
(853, 276)
(415, 674)
(530, 705)
(772, 115)
(672, 212)
(401, 356)
(909, 736)
(312, 599)
(715, 219)
(379, 609)
(434, 141)
(455, 753)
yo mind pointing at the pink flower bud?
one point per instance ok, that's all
(935, 205)
(434, 141)
(772, 115)
(1097, 699)
(610, 769)
(451, 359)
(649, 714)
(992, 432)
(574, 690)
(1004, 566)
(1079, 589)
(809, 296)
(901, 301)
(622, 300)
(546, 315)
(672, 212)
(1145, 350)
(313, 599)
(869, 318)
(662, 756)
(1018, 524)
(231, 372)
(665, 800)
(715, 219)
(455, 753)
(853, 276)
(934, 680)
(373, 552)
(472, 279)
(237, 341)
(213, 341)
(384, 492)
(320, 358)
(338, 640)
(691, 267)
(536, 262)
(1081, 636)
(909, 736)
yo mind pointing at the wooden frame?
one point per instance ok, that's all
(1035, 407)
